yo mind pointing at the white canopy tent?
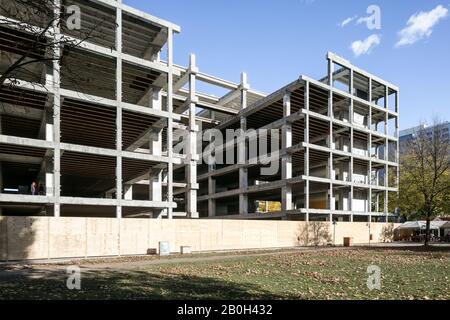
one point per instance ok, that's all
(420, 225)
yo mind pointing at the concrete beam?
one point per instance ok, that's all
(217, 107)
(347, 95)
(19, 159)
(224, 194)
(113, 103)
(273, 185)
(106, 152)
(143, 15)
(233, 95)
(24, 198)
(216, 81)
(345, 63)
(182, 81)
(115, 202)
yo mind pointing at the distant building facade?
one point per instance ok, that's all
(410, 134)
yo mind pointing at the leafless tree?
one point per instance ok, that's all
(34, 22)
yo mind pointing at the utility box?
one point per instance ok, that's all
(371, 237)
(164, 248)
(185, 250)
(152, 251)
(348, 241)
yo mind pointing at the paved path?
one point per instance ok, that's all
(37, 271)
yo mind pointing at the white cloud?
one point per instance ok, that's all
(347, 21)
(365, 46)
(420, 25)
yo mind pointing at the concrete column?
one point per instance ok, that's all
(397, 133)
(242, 151)
(386, 157)
(49, 176)
(330, 159)
(155, 135)
(330, 72)
(369, 170)
(243, 198)
(1, 178)
(243, 173)
(56, 114)
(331, 177)
(156, 99)
(128, 192)
(170, 122)
(156, 178)
(192, 156)
(286, 160)
(386, 202)
(1, 169)
(306, 166)
(119, 110)
(211, 191)
(155, 184)
(351, 144)
(46, 131)
(155, 142)
(244, 88)
(377, 202)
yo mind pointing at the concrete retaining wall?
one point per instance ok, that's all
(48, 237)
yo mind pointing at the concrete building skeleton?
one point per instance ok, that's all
(99, 143)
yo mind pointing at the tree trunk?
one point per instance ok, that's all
(427, 232)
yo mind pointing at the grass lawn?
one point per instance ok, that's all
(333, 274)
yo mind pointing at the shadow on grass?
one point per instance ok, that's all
(105, 285)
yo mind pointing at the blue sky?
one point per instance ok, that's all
(275, 41)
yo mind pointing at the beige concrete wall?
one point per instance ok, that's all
(102, 237)
(48, 237)
(359, 231)
(27, 237)
(67, 237)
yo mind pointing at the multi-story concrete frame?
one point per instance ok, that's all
(88, 130)
(93, 130)
(339, 151)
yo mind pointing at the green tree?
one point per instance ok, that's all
(425, 175)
